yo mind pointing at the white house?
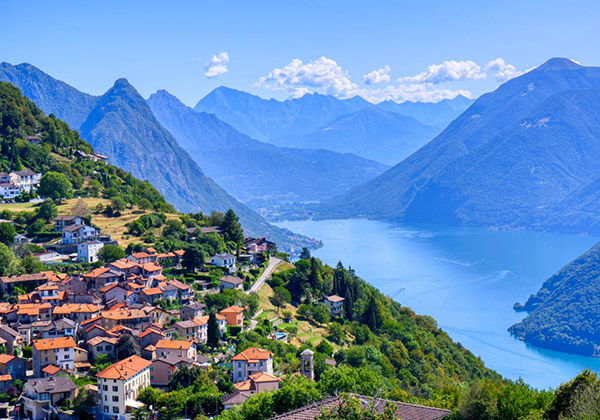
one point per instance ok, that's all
(9, 191)
(231, 282)
(119, 385)
(48, 257)
(224, 260)
(88, 251)
(62, 222)
(43, 395)
(26, 180)
(250, 361)
(75, 234)
(335, 304)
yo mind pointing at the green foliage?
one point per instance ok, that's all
(351, 408)
(194, 258)
(6, 259)
(56, 186)
(213, 333)
(47, 210)
(7, 233)
(83, 405)
(110, 253)
(127, 346)
(232, 230)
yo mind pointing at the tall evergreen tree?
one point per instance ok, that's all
(213, 333)
(232, 229)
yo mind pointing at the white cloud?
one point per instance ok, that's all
(448, 71)
(377, 76)
(297, 78)
(502, 71)
(217, 66)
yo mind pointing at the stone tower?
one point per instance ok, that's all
(308, 364)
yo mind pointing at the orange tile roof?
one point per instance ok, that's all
(69, 308)
(220, 317)
(53, 343)
(89, 321)
(232, 310)
(123, 264)
(203, 320)
(48, 287)
(51, 370)
(174, 344)
(135, 286)
(7, 377)
(124, 369)
(108, 287)
(151, 251)
(139, 255)
(5, 358)
(149, 331)
(178, 284)
(151, 267)
(97, 272)
(335, 298)
(179, 252)
(97, 340)
(165, 255)
(252, 354)
(263, 377)
(243, 385)
(119, 328)
(152, 291)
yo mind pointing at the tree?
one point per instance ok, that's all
(110, 253)
(118, 204)
(194, 257)
(83, 404)
(351, 408)
(213, 333)
(55, 186)
(30, 265)
(336, 333)
(325, 348)
(80, 209)
(7, 233)
(232, 230)
(6, 260)
(127, 346)
(296, 391)
(149, 396)
(144, 204)
(47, 210)
(568, 393)
(305, 254)
(280, 297)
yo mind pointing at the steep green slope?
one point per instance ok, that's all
(51, 95)
(258, 172)
(565, 312)
(122, 126)
(515, 152)
(20, 117)
(371, 132)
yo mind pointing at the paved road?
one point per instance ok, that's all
(273, 263)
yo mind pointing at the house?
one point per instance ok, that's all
(53, 351)
(52, 370)
(9, 191)
(335, 304)
(77, 312)
(26, 180)
(404, 411)
(62, 222)
(258, 382)
(88, 251)
(151, 270)
(251, 361)
(234, 315)
(124, 266)
(185, 293)
(188, 330)
(13, 366)
(63, 327)
(49, 257)
(224, 260)
(76, 234)
(114, 292)
(25, 281)
(164, 367)
(43, 395)
(13, 339)
(176, 347)
(35, 139)
(233, 400)
(231, 282)
(256, 245)
(119, 385)
(150, 295)
(142, 257)
(102, 345)
(193, 310)
(150, 336)
(101, 276)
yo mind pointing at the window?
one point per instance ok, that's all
(115, 398)
(105, 397)
(116, 410)
(115, 388)
(105, 387)
(106, 408)
(99, 348)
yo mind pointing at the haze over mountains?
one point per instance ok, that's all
(518, 157)
(255, 171)
(121, 125)
(387, 133)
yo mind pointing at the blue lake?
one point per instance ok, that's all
(466, 278)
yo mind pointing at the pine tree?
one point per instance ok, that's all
(213, 333)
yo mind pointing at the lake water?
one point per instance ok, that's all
(466, 278)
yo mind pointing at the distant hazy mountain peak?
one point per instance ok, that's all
(559, 63)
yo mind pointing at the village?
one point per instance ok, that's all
(133, 318)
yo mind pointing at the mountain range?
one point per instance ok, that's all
(517, 157)
(121, 125)
(257, 172)
(387, 132)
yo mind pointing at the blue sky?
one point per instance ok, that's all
(326, 46)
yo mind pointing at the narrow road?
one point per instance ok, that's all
(273, 263)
